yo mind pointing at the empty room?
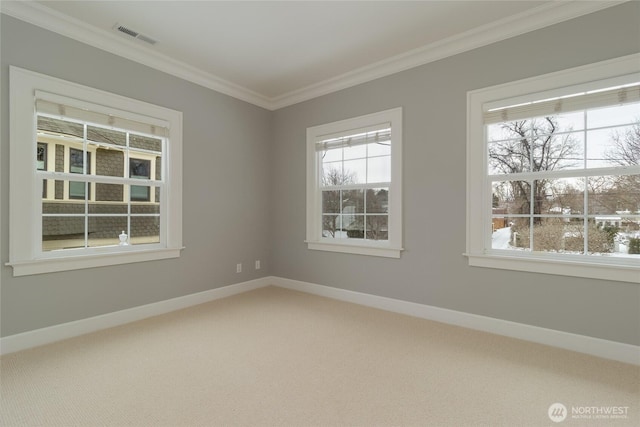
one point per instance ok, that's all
(320, 213)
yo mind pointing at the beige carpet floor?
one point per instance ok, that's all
(275, 357)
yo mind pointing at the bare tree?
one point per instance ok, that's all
(623, 192)
(625, 149)
(331, 207)
(532, 145)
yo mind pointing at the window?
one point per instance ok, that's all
(104, 165)
(140, 169)
(354, 195)
(554, 170)
(76, 165)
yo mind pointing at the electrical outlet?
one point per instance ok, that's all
(257, 264)
(238, 268)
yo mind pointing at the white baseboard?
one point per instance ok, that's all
(589, 345)
(594, 346)
(22, 341)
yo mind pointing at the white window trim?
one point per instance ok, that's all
(25, 211)
(391, 248)
(616, 71)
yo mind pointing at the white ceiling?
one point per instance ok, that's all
(275, 53)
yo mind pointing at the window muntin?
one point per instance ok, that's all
(553, 214)
(354, 206)
(63, 225)
(354, 188)
(82, 220)
(556, 176)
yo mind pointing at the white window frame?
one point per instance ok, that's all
(389, 248)
(25, 210)
(617, 71)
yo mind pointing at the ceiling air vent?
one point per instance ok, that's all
(132, 33)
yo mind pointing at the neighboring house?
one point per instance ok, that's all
(61, 148)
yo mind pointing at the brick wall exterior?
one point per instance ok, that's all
(108, 163)
(59, 185)
(56, 228)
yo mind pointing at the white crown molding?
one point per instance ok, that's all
(534, 19)
(44, 17)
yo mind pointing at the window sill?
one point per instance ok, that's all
(592, 270)
(350, 248)
(51, 265)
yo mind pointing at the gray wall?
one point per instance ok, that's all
(239, 207)
(432, 269)
(225, 195)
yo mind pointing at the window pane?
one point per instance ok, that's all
(77, 190)
(625, 243)
(502, 237)
(570, 121)
(612, 116)
(59, 190)
(54, 207)
(614, 195)
(140, 193)
(603, 151)
(60, 127)
(512, 197)
(379, 169)
(554, 150)
(352, 202)
(562, 196)
(355, 171)
(140, 169)
(109, 162)
(62, 233)
(356, 152)
(158, 162)
(76, 160)
(145, 230)
(378, 200)
(379, 149)
(107, 136)
(334, 155)
(105, 230)
(108, 200)
(377, 227)
(332, 226)
(332, 174)
(354, 225)
(619, 146)
(145, 143)
(41, 157)
(331, 201)
(538, 144)
(556, 235)
(509, 156)
(559, 235)
(110, 193)
(145, 208)
(558, 152)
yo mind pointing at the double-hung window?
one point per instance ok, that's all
(354, 185)
(554, 171)
(95, 177)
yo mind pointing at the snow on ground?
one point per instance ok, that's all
(500, 238)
